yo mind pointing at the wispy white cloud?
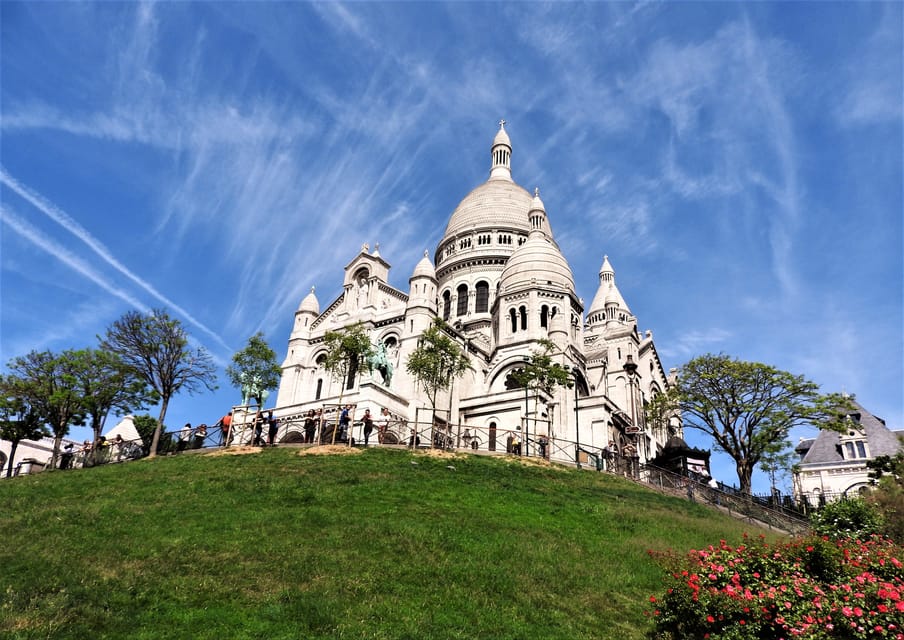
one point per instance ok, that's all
(732, 130)
(693, 343)
(872, 92)
(61, 253)
(69, 224)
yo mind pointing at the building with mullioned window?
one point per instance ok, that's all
(833, 464)
(500, 282)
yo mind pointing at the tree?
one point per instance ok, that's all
(145, 426)
(155, 347)
(346, 349)
(17, 423)
(776, 463)
(748, 407)
(887, 474)
(437, 361)
(106, 384)
(541, 373)
(45, 382)
(254, 369)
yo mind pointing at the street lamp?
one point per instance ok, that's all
(525, 381)
(577, 427)
(631, 370)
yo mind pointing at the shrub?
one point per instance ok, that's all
(847, 518)
(810, 588)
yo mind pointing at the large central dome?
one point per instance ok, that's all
(496, 203)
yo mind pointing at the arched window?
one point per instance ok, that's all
(544, 316)
(523, 312)
(319, 388)
(482, 304)
(514, 320)
(492, 442)
(447, 305)
(462, 307)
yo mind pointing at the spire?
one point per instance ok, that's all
(607, 273)
(608, 301)
(501, 168)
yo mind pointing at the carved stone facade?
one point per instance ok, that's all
(501, 284)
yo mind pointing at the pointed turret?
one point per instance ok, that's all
(501, 168)
(310, 304)
(608, 303)
(306, 314)
(421, 306)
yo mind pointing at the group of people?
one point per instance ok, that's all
(87, 455)
(260, 419)
(191, 438)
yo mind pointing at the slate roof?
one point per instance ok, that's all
(827, 445)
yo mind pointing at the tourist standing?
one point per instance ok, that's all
(368, 426)
(257, 441)
(383, 425)
(200, 436)
(344, 419)
(272, 429)
(184, 437)
(516, 444)
(310, 427)
(225, 429)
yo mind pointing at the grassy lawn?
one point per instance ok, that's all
(278, 545)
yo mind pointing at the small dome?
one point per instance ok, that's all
(537, 262)
(537, 204)
(310, 303)
(424, 268)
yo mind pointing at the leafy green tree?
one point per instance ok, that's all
(17, 423)
(346, 350)
(748, 407)
(106, 384)
(660, 413)
(155, 348)
(437, 361)
(542, 374)
(887, 474)
(255, 368)
(145, 426)
(776, 463)
(46, 383)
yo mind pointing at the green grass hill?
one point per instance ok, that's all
(383, 544)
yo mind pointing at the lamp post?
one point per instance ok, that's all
(526, 382)
(577, 426)
(631, 370)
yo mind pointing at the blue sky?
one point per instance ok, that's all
(740, 163)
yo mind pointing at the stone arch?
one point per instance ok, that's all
(292, 437)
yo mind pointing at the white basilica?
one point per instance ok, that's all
(501, 283)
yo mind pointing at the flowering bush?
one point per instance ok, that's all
(847, 518)
(808, 588)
